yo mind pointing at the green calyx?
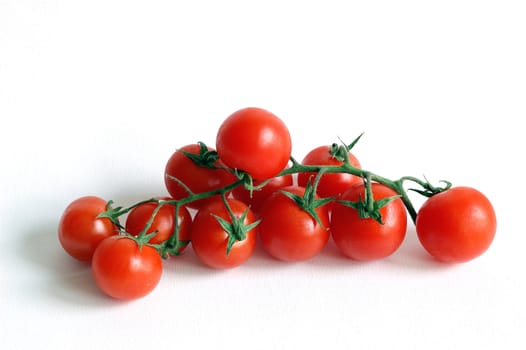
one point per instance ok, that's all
(428, 189)
(308, 202)
(174, 244)
(143, 238)
(112, 214)
(368, 207)
(236, 228)
(172, 248)
(341, 152)
(205, 158)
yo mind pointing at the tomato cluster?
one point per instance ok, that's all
(249, 189)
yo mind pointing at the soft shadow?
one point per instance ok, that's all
(61, 276)
(411, 255)
(330, 257)
(188, 264)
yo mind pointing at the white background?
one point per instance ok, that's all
(96, 95)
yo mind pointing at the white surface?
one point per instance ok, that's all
(95, 96)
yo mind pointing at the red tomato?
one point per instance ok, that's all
(258, 197)
(287, 231)
(198, 179)
(210, 240)
(330, 184)
(163, 223)
(456, 225)
(123, 270)
(256, 141)
(366, 239)
(79, 229)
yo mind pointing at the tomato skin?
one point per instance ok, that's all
(456, 225)
(256, 141)
(330, 184)
(209, 240)
(198, 179)
(258, 197)
(124, 271)
(79, 229)
(289, 233)
(366, 239)
(163, 223)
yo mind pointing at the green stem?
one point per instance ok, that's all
(369, 200)
(397, 185)
(149, 223)
(399, 188)
(172, 245)
(203, 195)
(128, 209)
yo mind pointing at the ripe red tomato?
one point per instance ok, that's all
(256, 141)
(287, 231)
(198, 179)
(456, 225)
(258, 197)
(365, 238)
(210, 240)
(79, 229)
(123, 270)
(163, 223)
(330, 184)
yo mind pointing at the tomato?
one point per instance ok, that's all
(210, 240)
(258, 196)
(330, 184)
(365, 238)
(256, 141)
(123, 270)
(456, 225)
(79, 229)
(198, 179)
(163, 223)
(288, 232)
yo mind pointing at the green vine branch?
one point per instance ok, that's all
(369, 208)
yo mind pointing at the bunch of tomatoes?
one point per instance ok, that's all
(250, 189)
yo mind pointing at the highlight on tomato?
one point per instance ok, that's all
(124, 270)
(224, 237)
(456, 225)
(256, 141)
(80, 230)
(365, 238)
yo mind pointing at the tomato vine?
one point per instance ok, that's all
(171, 246)
(364, 212)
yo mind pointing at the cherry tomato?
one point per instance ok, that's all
(163, 223)
(456, 225)
(79, 229)
(365, 238)
(258, 196)
(256, 141)
(198, 179)
(330, 184)
(288, 232)
(123, 270)
(210, 240)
